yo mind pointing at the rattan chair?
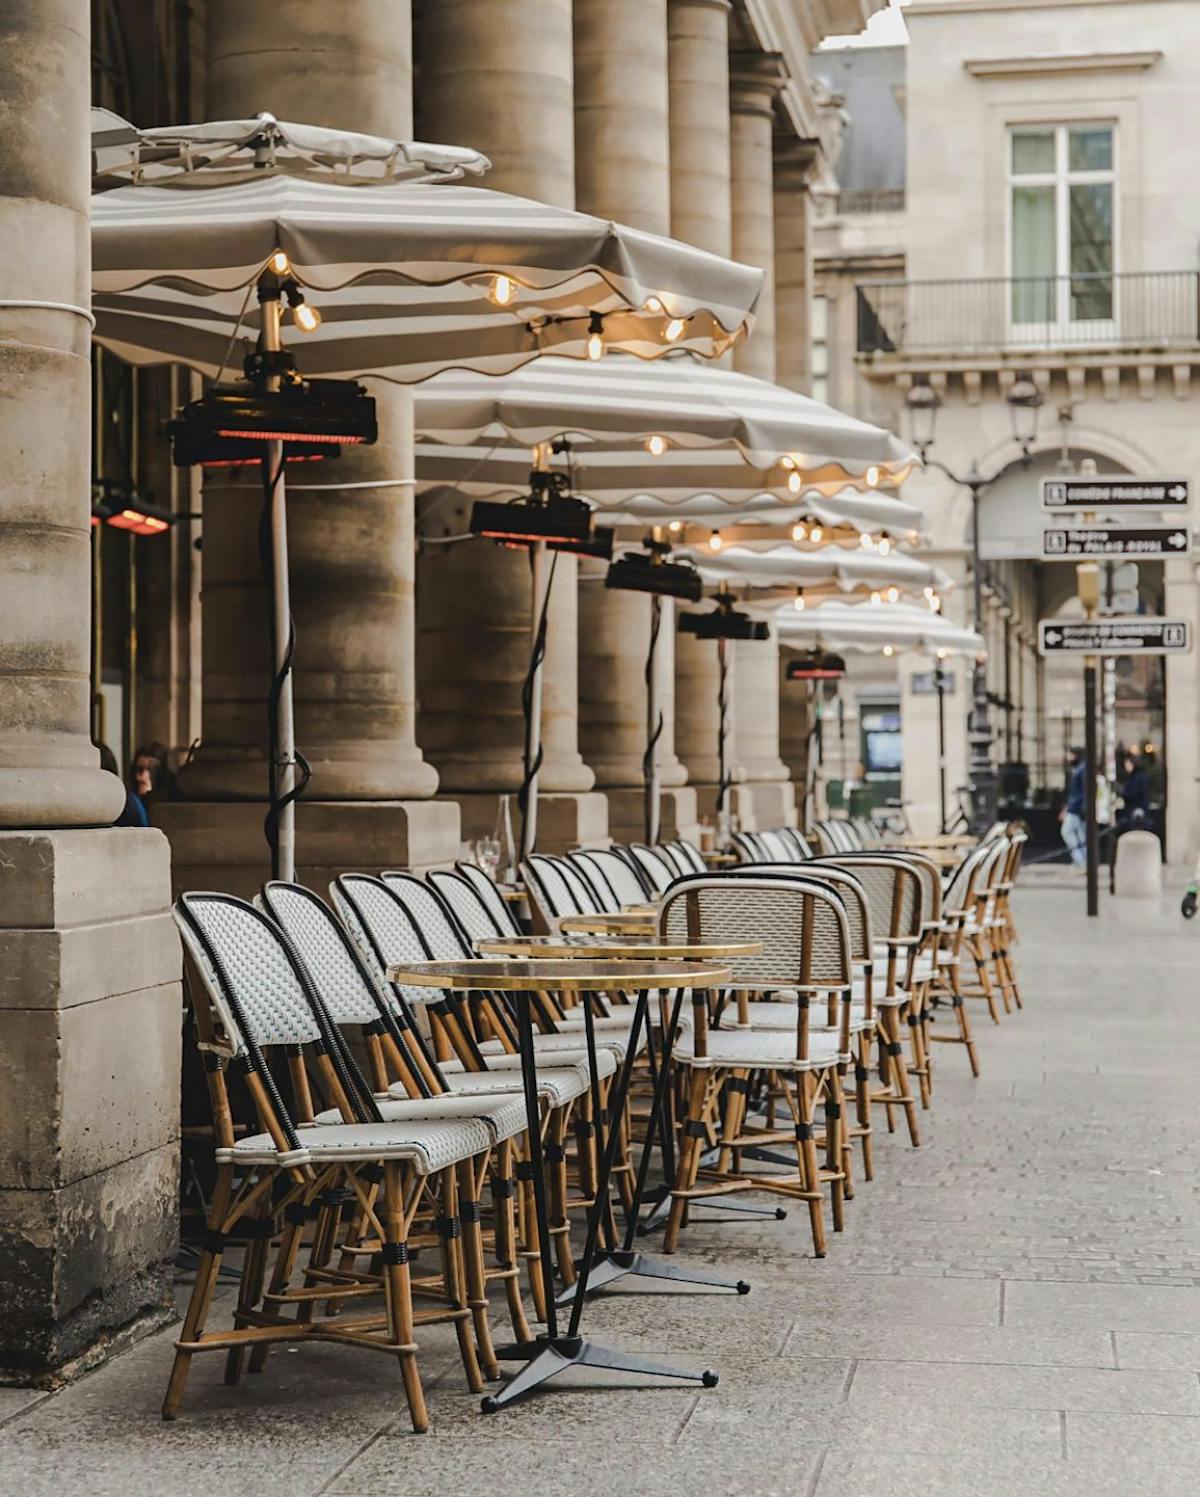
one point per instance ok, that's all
(254, 997)
(618, 874)
(659, 871)
(500, 910)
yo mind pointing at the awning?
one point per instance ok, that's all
(790, 566)
(864, 626)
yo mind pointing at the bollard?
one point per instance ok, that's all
(1139, 866)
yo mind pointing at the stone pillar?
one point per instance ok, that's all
(756, 732)
(503, 84)
(698, 77)
(89, 961)
(350, 549)
(622, 171)
(698, 98)
(755, 79)
(793, 263)
(797, 716)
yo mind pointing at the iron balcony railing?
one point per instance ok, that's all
(1152, 309)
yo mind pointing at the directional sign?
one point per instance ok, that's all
(1112, 540)
(1132, 636)
(1115, 491)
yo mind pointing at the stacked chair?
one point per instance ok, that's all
(373, 1161)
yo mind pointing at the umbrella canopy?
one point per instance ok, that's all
(409, 277)
(657, 440)
(864, 626)
(789, 566)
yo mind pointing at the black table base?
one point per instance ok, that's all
(546, 1357)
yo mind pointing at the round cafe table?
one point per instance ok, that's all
(613, 922)
(551, 1354)
(618, 1262)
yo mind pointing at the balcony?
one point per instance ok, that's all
(1151, 312)
(870, 200)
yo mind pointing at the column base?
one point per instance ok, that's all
(221, 845)
(740, 803)
(774, 804)
(677, 814)
(90, 1000)
(564, 820)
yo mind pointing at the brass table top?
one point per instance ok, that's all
(624, 920)
(554, 976)
(615, 949)
(513, 896)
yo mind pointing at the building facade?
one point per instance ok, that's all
(1045, 228)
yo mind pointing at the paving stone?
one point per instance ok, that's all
(1110, 1307)
(970, 1475)
(987, 1344)
(1157, 1349)
(1086, 1388)
(1134, 1437)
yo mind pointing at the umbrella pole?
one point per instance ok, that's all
(722, 725)
(939, 682)
(543, 576)
(283, 770)
(654, 727)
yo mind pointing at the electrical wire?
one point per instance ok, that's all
(531, 763)
(277, 803)
(656, 731)
(237, 327)
(724, 778)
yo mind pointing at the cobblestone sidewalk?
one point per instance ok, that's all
(1013, 1309)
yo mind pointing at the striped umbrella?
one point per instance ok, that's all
(837, 625)
(409, 273)
(774, 568)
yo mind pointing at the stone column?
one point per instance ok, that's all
(622, 171)
(797, 715)
(503, 84)
(756, 731)
(698, 98)
(755, 78)
(351, 548)
(89, 960)
(793, 162)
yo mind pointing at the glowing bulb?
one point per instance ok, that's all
(595, 347)
(674, 329)
(935, 603)
(941, 654)
(653, 304)
(306, 318)
(876, 599)
(656, 445)
(798, 603)
(865, 541)
(503, 291)
(816, 535)
(928, 591)
(714, 541)
(885, 545)
(279, 263)
(914, 536)
(872, 476)
(893, 595)
(787, 461)
(799, 533)
(888, 650)
(794, 482)
(675, 526)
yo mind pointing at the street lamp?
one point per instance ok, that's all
(1024, 401)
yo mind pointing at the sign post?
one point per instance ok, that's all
(1116, 542)
(1138, 635)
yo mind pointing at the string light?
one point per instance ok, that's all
(941, 654)
(799, 531)
(675, 526)
(885, 544)
(653, 304)
(893, 595)
(928, 592)
(794, 482)
(787, 461)
(656, 445)
(279, 263)
(914, 536)
(876, 599)
(888, 650)
(865, 541)
(872, 476)
(595, 342)
(674, 329)
(714, 541)
(798, 603)
(306, 317)
(503, 291)
(816, 535)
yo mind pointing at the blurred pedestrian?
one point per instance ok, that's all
(1074, 813)
(134, 813)
(149, 775)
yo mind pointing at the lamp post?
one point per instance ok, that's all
(1024, 400)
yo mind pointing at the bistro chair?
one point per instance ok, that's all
(500, 910)
(619, 875)
(254, 998)
(659, 871)
(687, 857)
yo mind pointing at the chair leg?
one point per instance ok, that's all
(834, 1153)
(916, 1041)
(202, 1294)
(554, 1153)
(449, 1230)
(985, 980)
(806, 1098)
(530, 1237)
(254, 1271)
(476, 1276)
(689, 1157)
(398, 1288)
(504, 1218)
(862, 1104)
(899, 1074)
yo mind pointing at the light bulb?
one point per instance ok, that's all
(787, 461)
(595, 346)
(872, 476)
(876, 599)
(798, 603)
(653, 304)
(794, 482)
(714, 541)
(893, 595)
(888, 650)
(279, 263)
(914, 536)
(817, 532)
(656, 445)
(799, 533)
(935, 602)
(306, 318)
(865, 541)
(674, 329)
(675, 526)
(503, 291)
(928, 591)
(885, 545)
(941, 654)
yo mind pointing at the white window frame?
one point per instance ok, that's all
(1062, 328)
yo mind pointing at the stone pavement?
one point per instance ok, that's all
(1013, 1309)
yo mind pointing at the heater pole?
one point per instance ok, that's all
(722, 720)
(533, 728)
(939, 682)
(653, 726)
(283, 861)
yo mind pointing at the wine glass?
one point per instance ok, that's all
(487, 855)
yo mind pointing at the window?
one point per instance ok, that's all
(1062, 183)
(819, 349)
